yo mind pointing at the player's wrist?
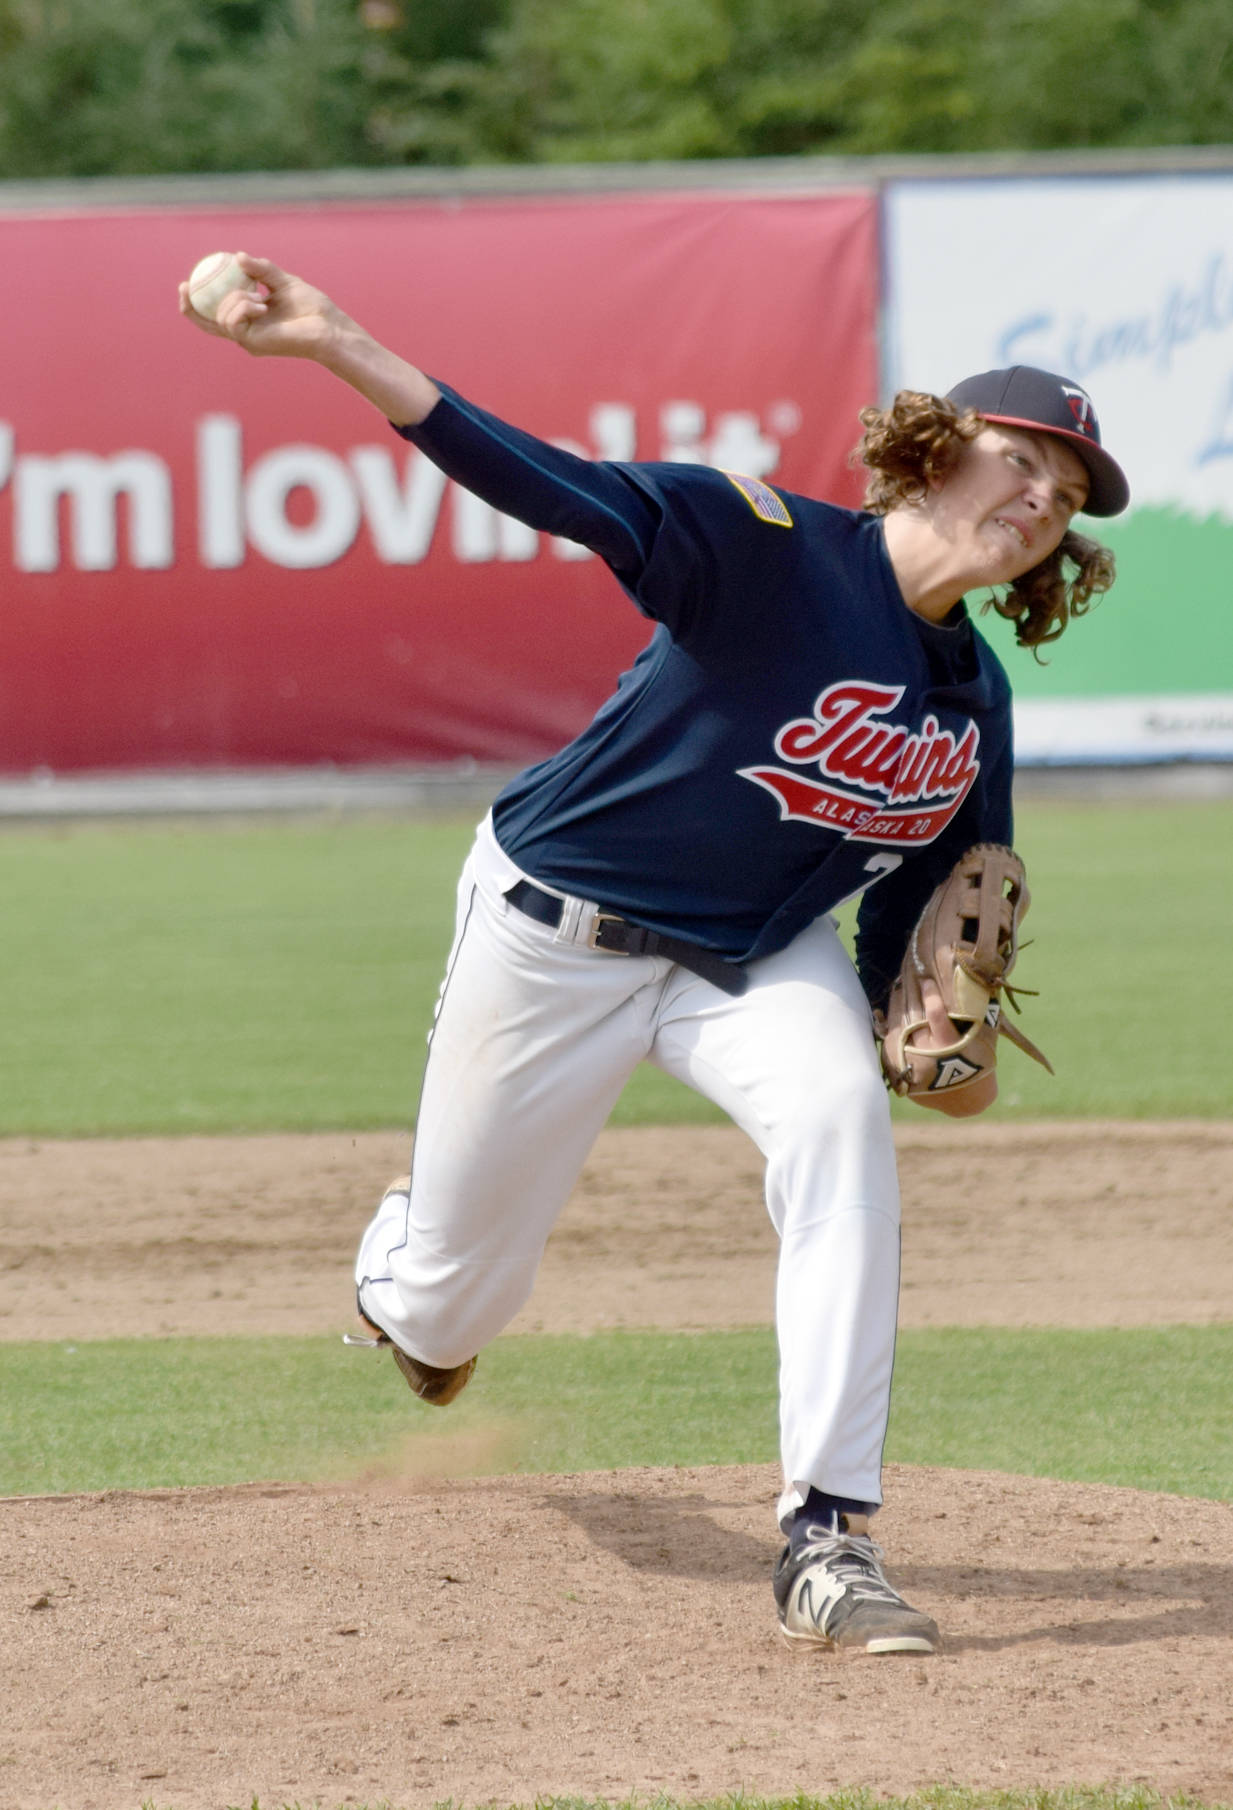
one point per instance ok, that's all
(403, 393)
(338, 344)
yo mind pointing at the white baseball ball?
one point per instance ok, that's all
(213, 278)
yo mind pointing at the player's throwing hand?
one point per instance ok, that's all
(289, 318)
(284, 318)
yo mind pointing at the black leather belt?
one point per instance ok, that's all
(615, 935)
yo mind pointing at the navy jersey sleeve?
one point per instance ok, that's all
(554, 491)
(888, 911)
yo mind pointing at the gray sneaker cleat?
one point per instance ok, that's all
(832, 1591)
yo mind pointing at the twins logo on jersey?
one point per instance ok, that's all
(919, 777)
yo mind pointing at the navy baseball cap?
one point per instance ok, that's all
(1047, 404)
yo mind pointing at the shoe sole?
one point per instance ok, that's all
(877, 1643)
(907, 1643)
(436, 1387)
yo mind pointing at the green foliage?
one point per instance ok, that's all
(618, 79)
(1112, 72)
(1143, 1409)
(598, 79)
(90, 87)
(114, 87)
(122, 87)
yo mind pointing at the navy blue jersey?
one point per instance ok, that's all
(791, 733)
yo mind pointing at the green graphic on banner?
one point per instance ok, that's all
(1166, 627)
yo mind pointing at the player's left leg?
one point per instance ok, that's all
(793, 1062)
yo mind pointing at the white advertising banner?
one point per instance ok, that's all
(1124, 283)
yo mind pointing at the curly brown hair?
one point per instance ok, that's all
(917, 440)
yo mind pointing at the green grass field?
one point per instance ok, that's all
(161, 1414)
(281, 976)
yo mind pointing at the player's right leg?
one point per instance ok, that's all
(533, 1041)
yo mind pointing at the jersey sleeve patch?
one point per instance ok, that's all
(767, 504)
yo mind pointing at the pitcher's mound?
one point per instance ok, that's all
(594, 1636)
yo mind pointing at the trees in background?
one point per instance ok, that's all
(121, 87)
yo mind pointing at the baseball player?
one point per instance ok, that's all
(813, 717)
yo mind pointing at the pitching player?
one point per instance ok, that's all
(813, 717)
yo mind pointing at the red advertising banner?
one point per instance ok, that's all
(210, 560)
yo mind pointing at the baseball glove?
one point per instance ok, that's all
(940, 1029)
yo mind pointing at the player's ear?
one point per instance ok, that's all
(957, 452)
(938, 479)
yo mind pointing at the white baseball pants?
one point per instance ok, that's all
(534, 1038)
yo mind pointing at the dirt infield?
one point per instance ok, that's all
(415, 1639)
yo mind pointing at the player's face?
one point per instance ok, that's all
(1009, 500)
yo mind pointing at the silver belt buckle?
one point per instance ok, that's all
(600, 918)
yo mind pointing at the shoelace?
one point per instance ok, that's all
(854, 1561)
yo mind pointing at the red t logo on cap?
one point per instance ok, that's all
(1081, 408)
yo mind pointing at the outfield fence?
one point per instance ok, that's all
(221, 570)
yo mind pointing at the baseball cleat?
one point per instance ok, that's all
(831, 1591)
(434, 1386)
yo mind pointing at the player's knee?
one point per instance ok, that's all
(850, 1107)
